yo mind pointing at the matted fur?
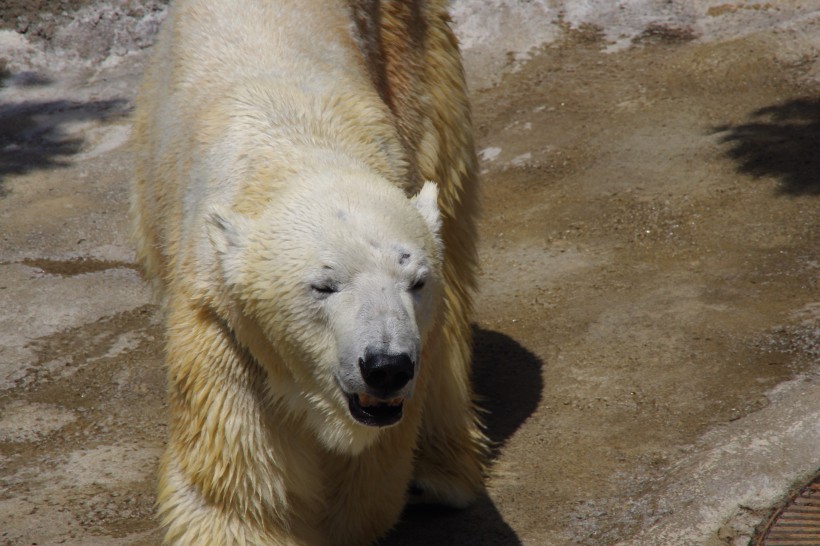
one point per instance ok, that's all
(243, 101)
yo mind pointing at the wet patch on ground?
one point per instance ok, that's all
(76, 266)
(81, 435)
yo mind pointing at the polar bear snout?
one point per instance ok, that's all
(386, 380)
(386, 373)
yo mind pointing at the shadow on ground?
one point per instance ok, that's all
(781, 140)
(507, 380)
(37, 134)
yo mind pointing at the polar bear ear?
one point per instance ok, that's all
(426, 202)
(223, 227)
(226, 232)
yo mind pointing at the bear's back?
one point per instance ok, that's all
(238, 85)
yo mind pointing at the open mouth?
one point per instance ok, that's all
(375, 412)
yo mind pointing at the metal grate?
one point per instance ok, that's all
(797, 523)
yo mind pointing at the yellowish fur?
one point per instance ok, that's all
(243, 97)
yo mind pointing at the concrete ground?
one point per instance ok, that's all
(647, 331)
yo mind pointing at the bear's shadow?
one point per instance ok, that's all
(507, 381)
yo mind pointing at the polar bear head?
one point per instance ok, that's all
(342, 274)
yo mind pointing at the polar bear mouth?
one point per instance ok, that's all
(375, 412)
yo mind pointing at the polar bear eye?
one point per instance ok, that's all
(323, 290)
(420, 280)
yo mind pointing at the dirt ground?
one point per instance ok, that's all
(649, 244)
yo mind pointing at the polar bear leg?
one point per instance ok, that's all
(191, 520)
(452, 449)
(222, 482)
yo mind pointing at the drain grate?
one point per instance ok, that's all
(797, 523)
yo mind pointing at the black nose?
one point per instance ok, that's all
(386, 372)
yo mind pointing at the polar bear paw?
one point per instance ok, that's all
(452, 493)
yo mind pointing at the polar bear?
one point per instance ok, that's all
(317, 291)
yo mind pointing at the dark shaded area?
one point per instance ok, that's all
(32, 137)
(507, 379)
(26, 79)
(781, 140)
(479, 525)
